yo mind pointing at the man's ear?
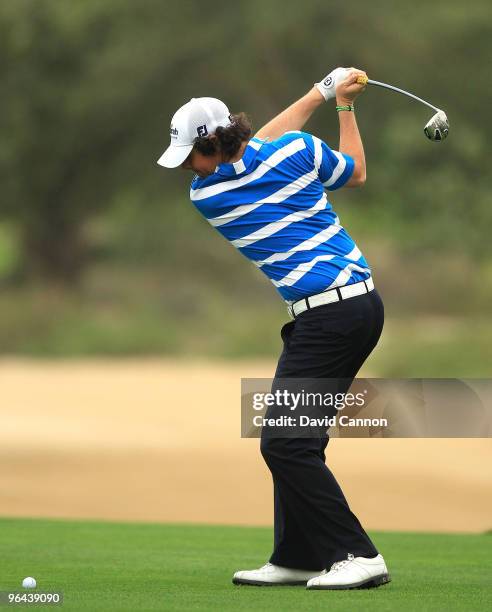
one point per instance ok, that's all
(216, 144)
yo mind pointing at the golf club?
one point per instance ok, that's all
(437, 128)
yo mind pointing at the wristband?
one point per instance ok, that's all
(349, 107)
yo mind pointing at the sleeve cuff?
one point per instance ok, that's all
(346, 174)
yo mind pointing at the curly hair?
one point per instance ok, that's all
(226, 140)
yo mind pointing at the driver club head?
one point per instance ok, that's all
(437, 128)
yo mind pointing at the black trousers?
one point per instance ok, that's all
(313, 524)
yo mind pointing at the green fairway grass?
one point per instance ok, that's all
(118, 566)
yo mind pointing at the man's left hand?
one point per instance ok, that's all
(327, 87)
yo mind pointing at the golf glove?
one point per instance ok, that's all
(327, 86)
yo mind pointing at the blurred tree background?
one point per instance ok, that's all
(101, 251)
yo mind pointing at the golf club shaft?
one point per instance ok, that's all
(402, 91)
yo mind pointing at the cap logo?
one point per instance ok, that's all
(173, 132)
(202, 130)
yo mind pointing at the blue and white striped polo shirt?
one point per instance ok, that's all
(272, 206)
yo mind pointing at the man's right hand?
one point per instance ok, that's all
(348, 88)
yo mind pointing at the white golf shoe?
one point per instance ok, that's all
(271, 575)
(352, 573)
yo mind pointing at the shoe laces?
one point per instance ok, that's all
(339, 564)
(266, 565)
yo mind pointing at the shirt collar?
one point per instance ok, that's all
(240, 166)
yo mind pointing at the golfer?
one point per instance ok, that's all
(267, 195)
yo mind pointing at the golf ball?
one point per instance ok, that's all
(29, 583)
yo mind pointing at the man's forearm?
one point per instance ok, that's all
(292, 118)
(351, 144)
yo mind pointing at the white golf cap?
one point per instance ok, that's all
(198, 117)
